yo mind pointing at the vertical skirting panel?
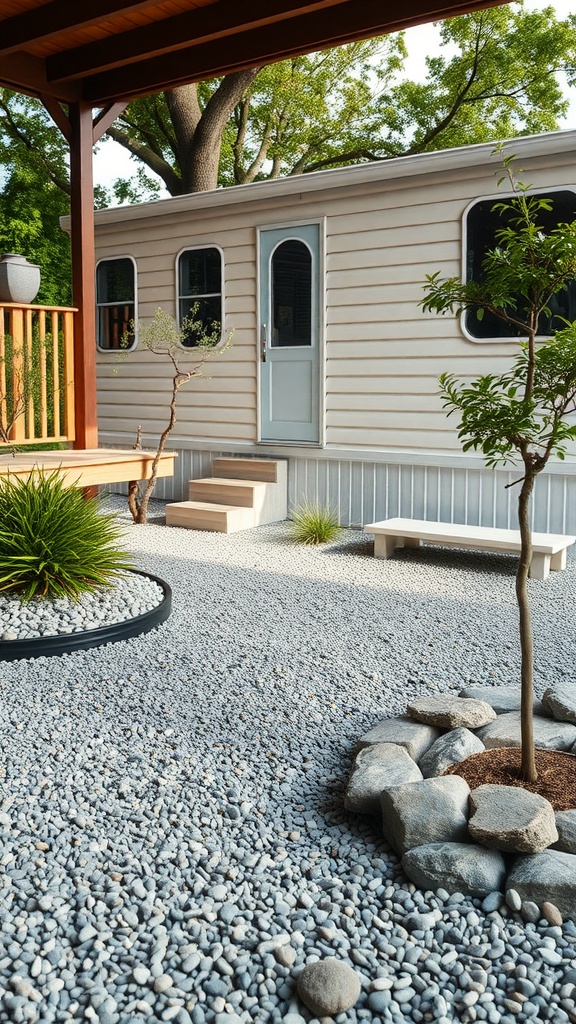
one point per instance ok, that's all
(365, 492)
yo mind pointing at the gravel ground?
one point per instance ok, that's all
(174, 846)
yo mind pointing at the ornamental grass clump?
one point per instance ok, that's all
(313, 523)
(54, 542)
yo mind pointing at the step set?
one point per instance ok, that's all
(241, 494)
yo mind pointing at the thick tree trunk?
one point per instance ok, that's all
(529, 772)
(200, 173)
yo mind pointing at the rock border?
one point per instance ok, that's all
(426, 831)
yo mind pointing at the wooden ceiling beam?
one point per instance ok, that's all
(27, 74)
(194, 27)
(348, 21)
(32, 26)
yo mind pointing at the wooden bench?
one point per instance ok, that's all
(548, 549)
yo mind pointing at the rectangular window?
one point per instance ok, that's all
(481, 225)
(200, 293)
(115, 304)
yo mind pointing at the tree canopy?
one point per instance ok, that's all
(498, 73)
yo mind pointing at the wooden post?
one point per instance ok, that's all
(83, 272)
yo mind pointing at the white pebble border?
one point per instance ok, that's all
(173, 844)
(127, 597)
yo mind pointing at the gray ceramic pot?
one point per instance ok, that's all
(19, 280)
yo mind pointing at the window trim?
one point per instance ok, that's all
(110, 259)
(195, 248)
(498, 197)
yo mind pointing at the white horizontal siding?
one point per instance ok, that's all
(387, 227)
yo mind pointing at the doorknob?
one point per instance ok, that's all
(263, 342)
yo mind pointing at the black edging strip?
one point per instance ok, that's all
(63, 643)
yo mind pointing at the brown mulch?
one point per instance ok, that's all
(501, 766)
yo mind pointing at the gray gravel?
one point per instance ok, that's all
(174, 845)
(127, 597)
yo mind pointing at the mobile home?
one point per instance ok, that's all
(333, 366)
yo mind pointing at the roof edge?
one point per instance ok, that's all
(543, 144)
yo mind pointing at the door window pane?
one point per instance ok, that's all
(115, 290)
(200, 293)
(291, 295)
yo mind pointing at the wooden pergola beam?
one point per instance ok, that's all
(49, 20)
(260, 45)
(181, 32)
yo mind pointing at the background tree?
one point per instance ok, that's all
(523, 414)
(497, 74)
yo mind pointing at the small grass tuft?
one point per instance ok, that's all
(53, 541)
(313, 523)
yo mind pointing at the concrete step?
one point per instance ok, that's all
(227, 491)
(268, 470)
(203, 515)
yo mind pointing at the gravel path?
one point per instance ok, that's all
(173, 843)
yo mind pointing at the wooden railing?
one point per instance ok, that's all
(36, 374)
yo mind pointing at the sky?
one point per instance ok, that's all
(113, 161)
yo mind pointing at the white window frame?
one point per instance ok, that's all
(207, 295)
(496, 198)
(99, 305)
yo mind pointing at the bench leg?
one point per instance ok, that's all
(410, 542)
(539, 566)
(558, 561)
(384, 545)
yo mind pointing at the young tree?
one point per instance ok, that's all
(162, 337)
(522, 414)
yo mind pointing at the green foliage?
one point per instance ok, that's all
(34, 193)
(500, 420)
(498, 74)
(162, 335)
(313, 523)
(525, 413)
(521, 412)
(53, 541)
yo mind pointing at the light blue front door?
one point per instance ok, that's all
(289, 334)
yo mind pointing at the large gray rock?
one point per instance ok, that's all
(560, 701)
(511, 819)
(548, 877)
(451, 748)
(414, 736)
(501, 698)
(375, 767)
(447, 711)
(566, 825)
(328, 987)
(548, 733)
(456, 867)
(416, 813)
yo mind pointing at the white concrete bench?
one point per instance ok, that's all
(548, 549)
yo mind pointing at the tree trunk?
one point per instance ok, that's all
(529, 772)
(201, 171)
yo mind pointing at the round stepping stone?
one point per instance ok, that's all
(511, 819)
(328, 987)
